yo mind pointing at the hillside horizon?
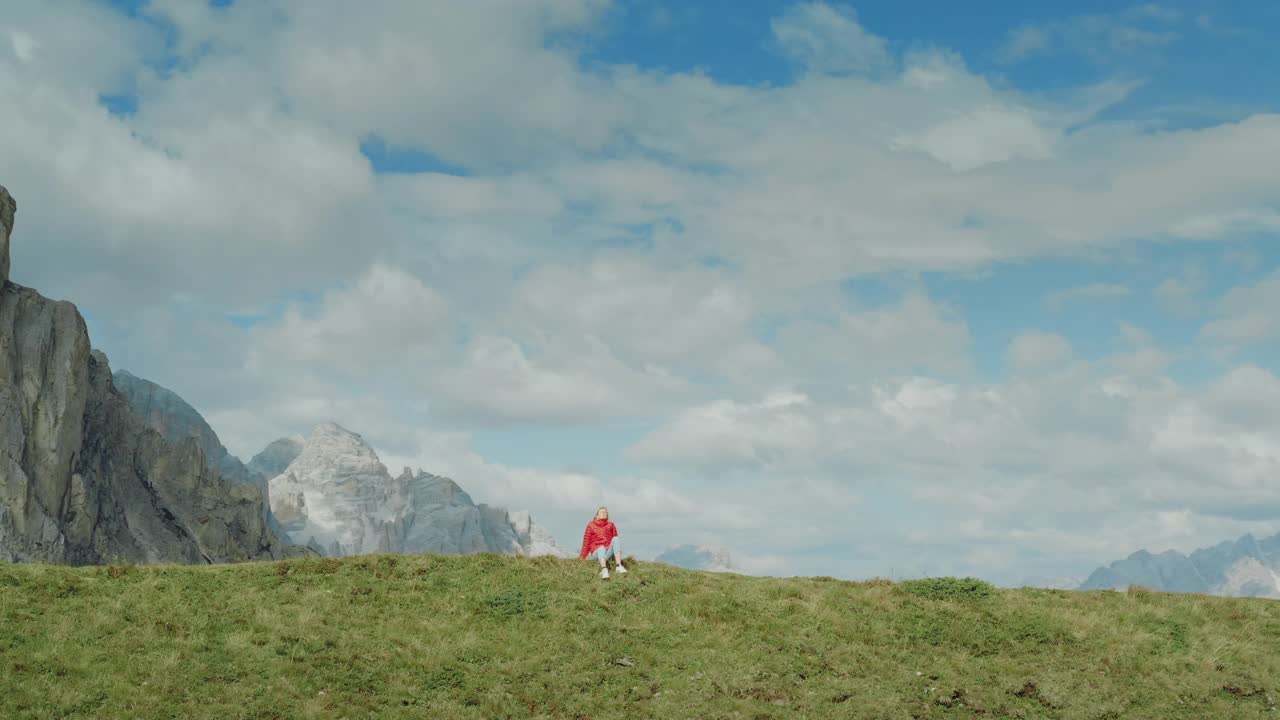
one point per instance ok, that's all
(486, 636)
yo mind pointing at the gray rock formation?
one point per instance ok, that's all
(1247, 567)
(165, 412)
(713, 558)
(536, 539)
(8, 207)
(336, 496)
(445, 519)
(276, 457)
(82, 479)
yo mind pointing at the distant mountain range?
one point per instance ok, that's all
(1248, 567)
(331, 493)
(713, 558)
(335, 496)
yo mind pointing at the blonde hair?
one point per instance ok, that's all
(602, 507)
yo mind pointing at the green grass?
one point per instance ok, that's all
(484, 636)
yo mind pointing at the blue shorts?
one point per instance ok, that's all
(603, 553)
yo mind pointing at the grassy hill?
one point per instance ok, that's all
(484, 636)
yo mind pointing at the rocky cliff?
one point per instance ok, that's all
(165, 412)
(337, 497)
(1247, 567)
(8, 208)
(275, 458)
(82, 479)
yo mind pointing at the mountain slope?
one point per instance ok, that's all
(275, 458)
(82, 479)
(1247, 567)
(470, 637)
(337, 497)
(168, 414)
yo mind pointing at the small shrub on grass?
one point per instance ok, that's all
(949, 589)
(1139, 592)
(446, 678)
(930, 628)
(513, 602)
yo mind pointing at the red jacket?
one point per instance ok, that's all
(599, 533)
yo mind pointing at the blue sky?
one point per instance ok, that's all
(744, 270)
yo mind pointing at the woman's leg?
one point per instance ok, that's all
(616, 549)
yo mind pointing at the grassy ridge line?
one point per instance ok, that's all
(485, 636)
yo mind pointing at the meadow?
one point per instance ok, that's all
(486, 636)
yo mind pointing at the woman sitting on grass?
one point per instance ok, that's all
(601, 542)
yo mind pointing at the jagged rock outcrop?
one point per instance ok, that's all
(337, 497)
(1247, 567)
(165, 412)
(82, 479)
(713, 558)
(8, 207)
(276, 457)
(536, 539)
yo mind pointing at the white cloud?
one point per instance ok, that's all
(1246, 258)
(916, 332)
(729, 434)
(1180, 294)
(794, 197)
(1093, 291)
(828, 39)
(1247, 396)
(1024, 42)
(671, 313)
(51, 45)
(1099, 37)
(1030, 461)
(177, 209)
(983, 136)
(1035, 350)
(1244, 316)
(453, 302)
(386, 316)
(497, 380)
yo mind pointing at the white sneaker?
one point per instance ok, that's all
(604, 573)
(621, 569)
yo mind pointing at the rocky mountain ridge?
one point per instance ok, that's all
(1247, 567)
(165, 412)
(337, 497)
(712, 558)
(83, 479)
